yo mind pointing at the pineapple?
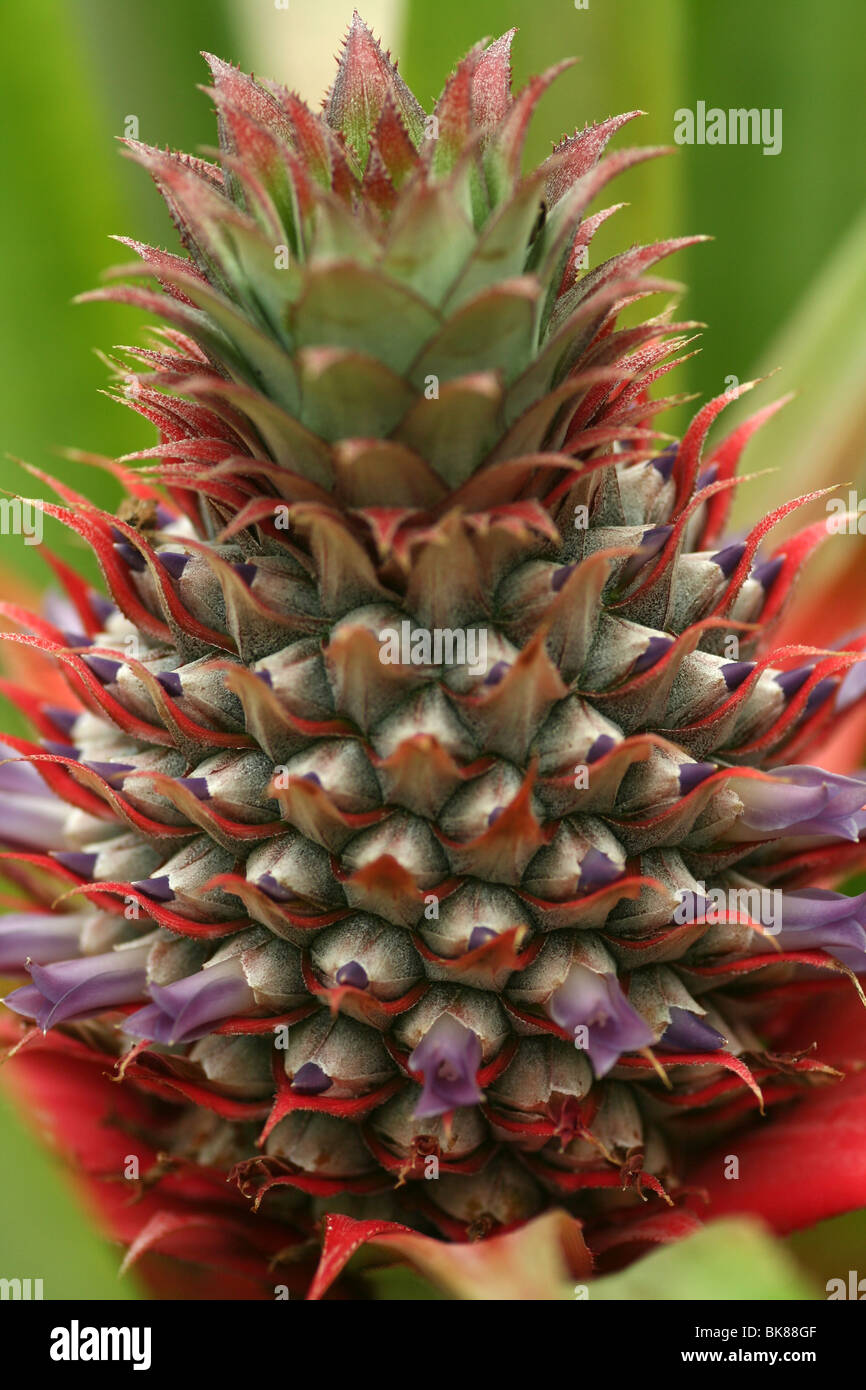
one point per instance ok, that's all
(429, 801)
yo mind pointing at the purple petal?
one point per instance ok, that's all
(65, 719)
(190, 1008)
(43, 937)
(596, 1002)
(819, 919)
(804, 800)
(33, 822)
(447, 1058)
(74, 989)
(102, 607)
(852, 687)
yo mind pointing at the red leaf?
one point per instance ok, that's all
(808, 1163)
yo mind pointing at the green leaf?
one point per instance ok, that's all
(74, 73)
(47, 1232)
(820, 437)
(777, 219)
(727, 1260)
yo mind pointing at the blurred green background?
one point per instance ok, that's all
(783, 283)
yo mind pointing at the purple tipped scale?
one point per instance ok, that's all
(64, 719)
(479, 936)
(561, 577)
(60, 750)
(735, 672)
(789, 682)
(729, 557)
(651, 543)
(353, 975)
(132, 557)
(767, 572)
(78, 861)
(174, 561)
(498, 671)
(692, 774)
(268, 885)
(655, 649)
(664, 462)
(310, 1080)
(197, 785)
(171, 683)
(821, 692)
(687, 1032)
(104, 668)
(109, 772)
(158, 887)
(597, 870)
(603, 744)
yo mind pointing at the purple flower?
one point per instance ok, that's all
(448, 1058)
(192, 1007)
(803, 800)
(596, 1002)
(852, 687)
(819, 919)
(30, 814)
(43, 937)
(73, 989)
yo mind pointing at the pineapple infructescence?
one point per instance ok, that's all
(430, 758)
